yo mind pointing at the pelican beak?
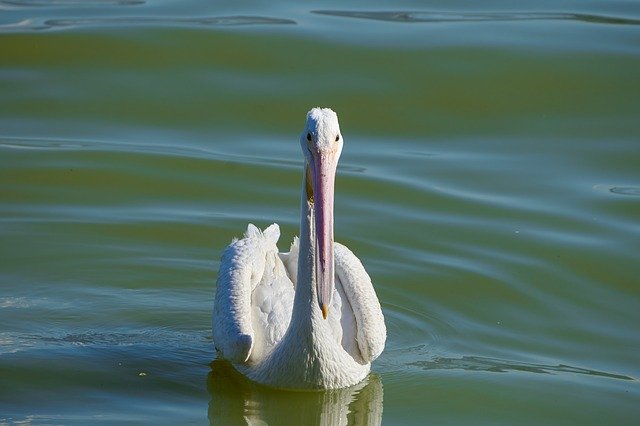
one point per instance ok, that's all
(323, 171)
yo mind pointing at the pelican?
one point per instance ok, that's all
(309, 318)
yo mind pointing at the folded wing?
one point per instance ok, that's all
(241, 270)
(370, 330)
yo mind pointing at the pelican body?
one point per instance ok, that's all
(309, 318)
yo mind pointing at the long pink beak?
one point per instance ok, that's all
(323, 172)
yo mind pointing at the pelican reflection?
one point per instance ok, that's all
(237, 400)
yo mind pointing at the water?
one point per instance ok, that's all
(489, 182)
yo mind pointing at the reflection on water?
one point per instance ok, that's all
(236, 400)
(477, 363)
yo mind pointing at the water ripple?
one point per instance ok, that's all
(127, 148)
(494, 365)
(13, 342)
(626, 190)
(39, 144)
(135, 21)
(633, 191)
(452, 17)
(49, 3)
(220, 21)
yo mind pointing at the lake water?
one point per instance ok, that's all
(490, 183)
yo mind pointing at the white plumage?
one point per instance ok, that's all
(309, 318)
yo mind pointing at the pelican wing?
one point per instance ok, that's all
(241, 270)
(370, 332)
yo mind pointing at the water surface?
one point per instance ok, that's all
(489, 183)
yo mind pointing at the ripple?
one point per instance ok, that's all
(158, 336)
(147, 149)
(626, 190)
(495, 365)
(49, 3)
(14, 302)
(449, 17)
(39, 144)
(633, 191)
(412, 324)
(13, 342)
(222, 21)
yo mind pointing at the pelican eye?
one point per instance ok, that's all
(309, 137)
(337, 138)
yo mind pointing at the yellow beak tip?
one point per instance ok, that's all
(325, 311)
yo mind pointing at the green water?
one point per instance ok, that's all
(489, 182)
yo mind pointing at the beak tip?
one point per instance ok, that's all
(325, 311)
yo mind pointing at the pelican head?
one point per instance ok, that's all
(321, 143)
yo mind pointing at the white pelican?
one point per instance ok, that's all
(309, 318)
